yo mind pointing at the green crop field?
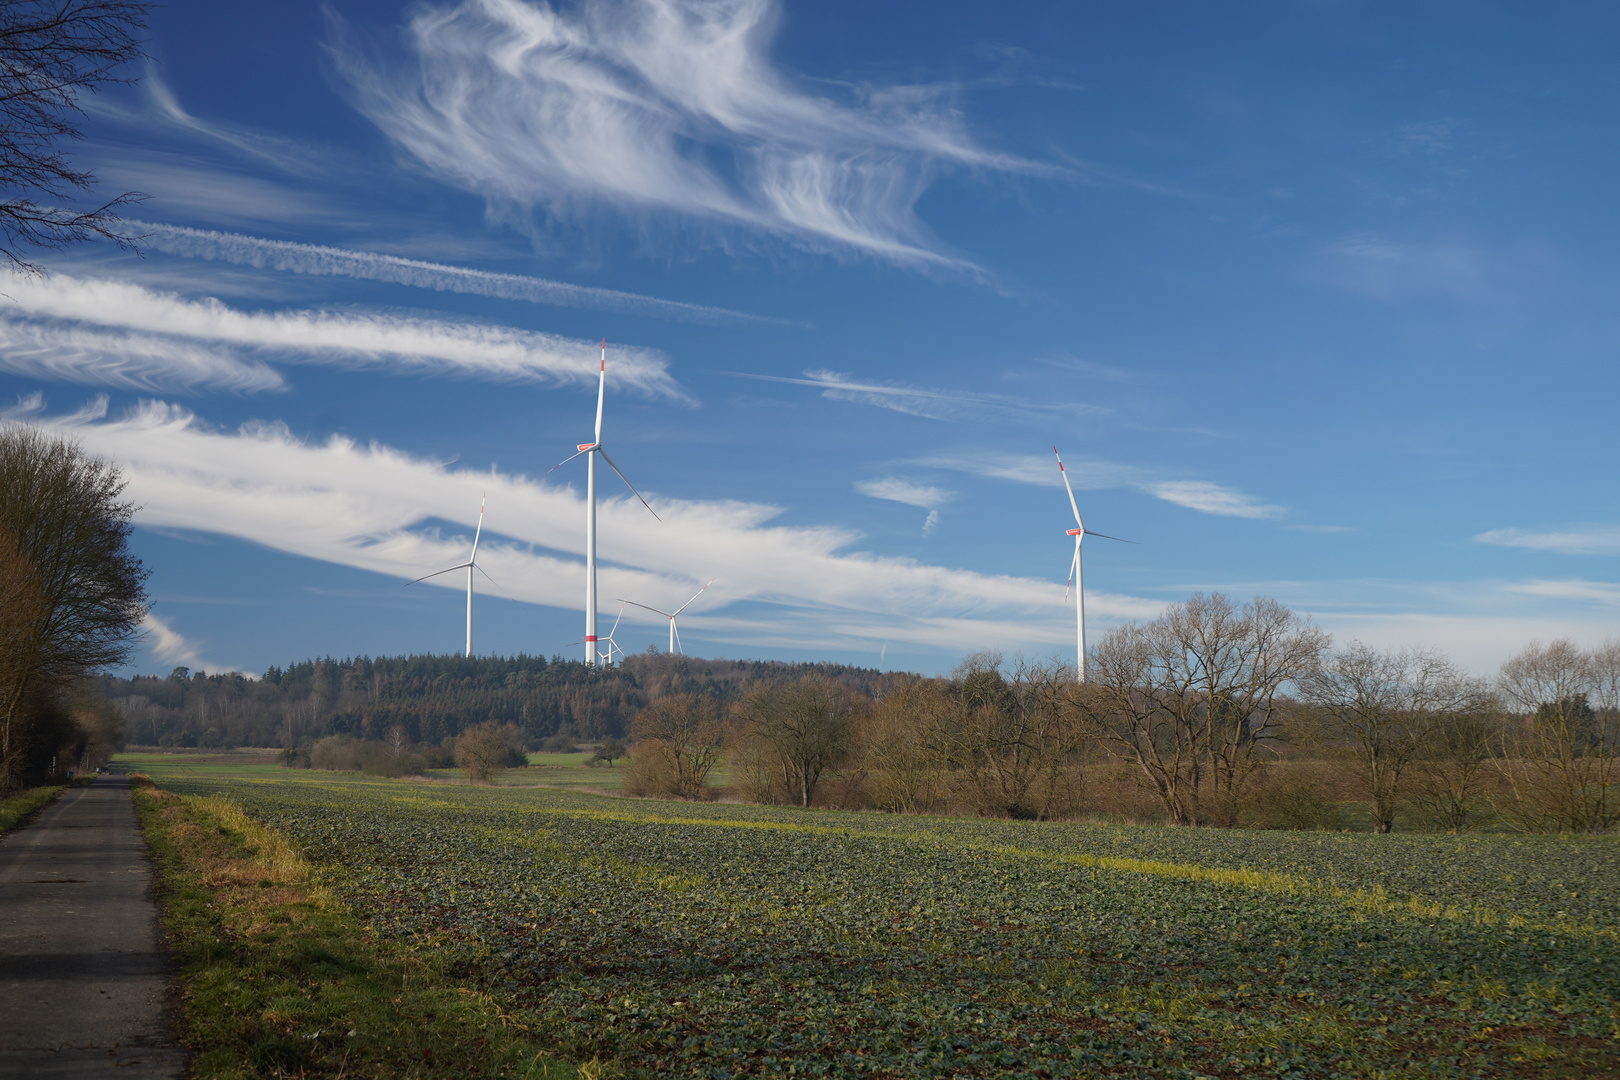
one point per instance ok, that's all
(720, 941)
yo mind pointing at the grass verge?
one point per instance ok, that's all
(279, 979)
(15, 809)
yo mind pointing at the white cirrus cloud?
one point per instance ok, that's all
(160, 328)
(126, 360)
(168, 644)
(900, 490)
(1092, 475)
(666, 106)
(319, 260)
(364, 506)
(1210, 498)
(929, 402)
(1575, 540)
(1597, 592)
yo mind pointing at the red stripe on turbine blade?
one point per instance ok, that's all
(1077, 532)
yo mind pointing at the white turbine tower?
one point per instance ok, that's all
(612, 646)
(1079, 532)
(592, 657)
(674, 634)
(470, 565)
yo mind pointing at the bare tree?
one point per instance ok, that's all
(23, 610)
(70, 531)
(1452, 778)
(678, 742)
(1016, 737)
(904, 747)
(52, 52)
(397, 739)
(797, 730)
(1387, 705)
(1192, 696)
(1561, 760)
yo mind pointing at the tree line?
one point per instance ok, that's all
(1216, 713)
(431, 699)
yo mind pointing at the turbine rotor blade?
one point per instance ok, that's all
(627, 482)
(1067, 585)
(632, 603)
(495, 583)
(436, 573)
(616, 620)
(601, 391)
(1067, 487)
(678, 646)
(1105, 536)
(474, 557)
(570, 457)
(695, 595)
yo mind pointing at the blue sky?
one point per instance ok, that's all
(1315, 298)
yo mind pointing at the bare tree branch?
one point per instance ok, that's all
(51, 53)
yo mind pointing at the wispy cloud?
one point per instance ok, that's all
(168, 646)
(371, 266)
(1208, 498)
(364, 506)
(161, 327)
(1597, 592)
(1575, 540)
(1200, 495)
(900, 490)
(212, 193)
(929, 402)
(126, 361)
(1390, 269)
(663, 105)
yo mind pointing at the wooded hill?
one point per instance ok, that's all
(433, 697)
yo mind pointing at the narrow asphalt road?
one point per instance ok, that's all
(83, 976)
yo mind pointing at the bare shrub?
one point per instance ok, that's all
(900, 748)
(486, 750)
(334, 753)
(1293, 797)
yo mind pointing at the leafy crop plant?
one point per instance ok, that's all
(724, 941)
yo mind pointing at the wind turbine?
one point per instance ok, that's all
(470, 565)
(674, 634)
(592, 657)
(1080, 532)
(612, 646)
